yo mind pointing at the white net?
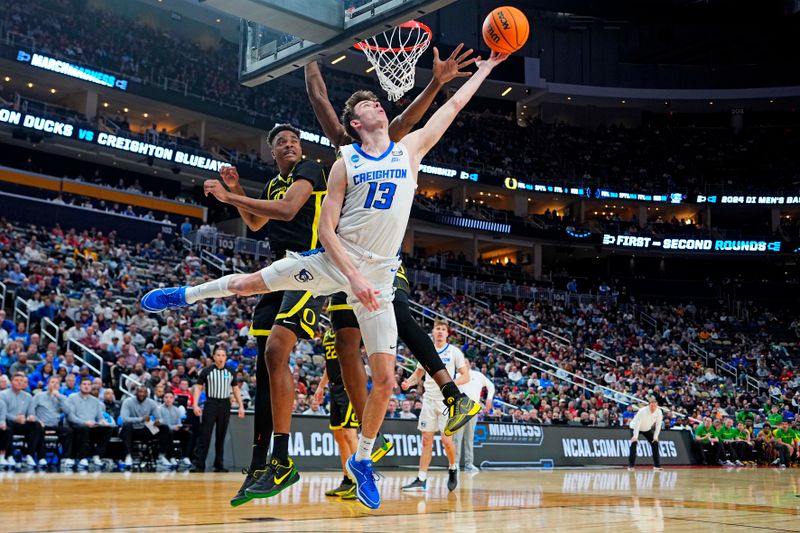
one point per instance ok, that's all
(394, 54)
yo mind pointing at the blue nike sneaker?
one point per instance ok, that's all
(366, 491)
(163, 299)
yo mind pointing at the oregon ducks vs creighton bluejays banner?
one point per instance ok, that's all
(497, 445)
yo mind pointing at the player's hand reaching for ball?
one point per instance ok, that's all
(495, 59)
(229, 175)
(215, 188)
(444, 71)
(364, 291)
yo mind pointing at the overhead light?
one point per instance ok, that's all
(711, 102)
(7, 78)
(771, 101)
(370, 69)
(30, 85)
(319, 160)
(522, 112)
(338, 60)
(569, 98)
(508, 90)
(52, 91)
(524, 107)
(218, 21)
(105, 104)
(623, 101)
(145, 115)
(125, 109)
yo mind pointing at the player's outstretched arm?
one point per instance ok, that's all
(444, 71)
(328, 221)
(259, 212)
(421, 141)
(326, 115)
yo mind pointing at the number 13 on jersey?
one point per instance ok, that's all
(380, 195)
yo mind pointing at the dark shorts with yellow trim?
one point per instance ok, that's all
(295, 310)
(342, 413)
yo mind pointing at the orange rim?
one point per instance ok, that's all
(364, 45)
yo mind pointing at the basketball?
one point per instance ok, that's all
(506, 29)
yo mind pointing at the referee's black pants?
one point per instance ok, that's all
(216, 413)
(648, 435)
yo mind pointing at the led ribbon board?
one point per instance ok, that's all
(692, 246)
(64, 68)
(114, 142)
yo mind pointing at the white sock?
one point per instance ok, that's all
(217, 288)
(365, 445)
(422, 476)
(452, 467)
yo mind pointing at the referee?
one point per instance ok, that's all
(219, 383)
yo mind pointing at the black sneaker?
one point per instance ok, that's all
(343, 488)
(241, 497)
(416, 486)
(452, 479)
(276, 478)
(459, 411)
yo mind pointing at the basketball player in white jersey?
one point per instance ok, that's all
(362, 224)
(432, 419)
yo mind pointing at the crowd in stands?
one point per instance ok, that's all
(657, 156)
(542, 356)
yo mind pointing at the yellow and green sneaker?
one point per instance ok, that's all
(276, 478)
(381, 452)
(345, 486)
(459, 411)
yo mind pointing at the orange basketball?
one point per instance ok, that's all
(506, 29)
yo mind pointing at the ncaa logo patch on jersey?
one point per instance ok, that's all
(354, 158)
(304, 276)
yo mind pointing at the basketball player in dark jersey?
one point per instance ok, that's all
(289, 207)
(343, 420)
(348, 335)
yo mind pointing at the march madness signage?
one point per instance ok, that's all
(497, 445)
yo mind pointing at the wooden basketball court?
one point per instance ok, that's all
(680, 499)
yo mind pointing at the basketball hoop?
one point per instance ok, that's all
(394, 54)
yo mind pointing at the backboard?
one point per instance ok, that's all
(279, 36)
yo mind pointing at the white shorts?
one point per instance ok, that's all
(432, 417)
(315, 272)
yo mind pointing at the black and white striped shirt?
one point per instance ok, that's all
(218, 382)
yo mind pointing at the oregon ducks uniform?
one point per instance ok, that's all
(295, 310)
(342, 413)
(341, 312)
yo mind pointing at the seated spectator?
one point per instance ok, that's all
(406, 412)
(50, 410)
(20, 418)
(90, 429)
(71, 385)
(135, 415)
(171, 428)
(21, 334)
(315, 408)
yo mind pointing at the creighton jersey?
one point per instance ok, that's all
(377, 204)
(453, 359)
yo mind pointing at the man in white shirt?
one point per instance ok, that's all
(432, 418)
(646, 423)
(473, 388)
